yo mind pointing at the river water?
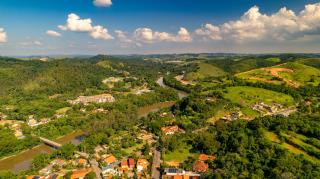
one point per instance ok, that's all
(181, 94)
(144, 111)
(23, 160)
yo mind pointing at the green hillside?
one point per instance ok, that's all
(241, 64)
(247, 96)
(292, 73)
(314, 62)
(205, 70)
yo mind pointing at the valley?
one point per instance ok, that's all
(193, 115)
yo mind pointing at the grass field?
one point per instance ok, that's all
(273, 59)
(274, 138)
(178, 155)
(299, 142)
(293, 74)
(205, 70)
(63, 110)
(247, 96)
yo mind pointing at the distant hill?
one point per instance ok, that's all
(292, 73)
(314, 62)
(242, 64)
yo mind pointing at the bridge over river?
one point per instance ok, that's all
(50, 142)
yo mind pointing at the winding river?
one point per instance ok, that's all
(144, 111)
(181, 94)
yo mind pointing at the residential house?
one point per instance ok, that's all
(110, 171)
(16, 127)
(32, 122)
(142, 165)
(110, 159)
(46, 171)
(124, 165)
(80, 174)
(170, 130)
(131, 163)
(173, 173)
(82, 162)
(200, 166)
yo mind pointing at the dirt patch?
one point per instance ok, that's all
(275, 71)
(181, 80)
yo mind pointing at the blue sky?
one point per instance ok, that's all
(30, 27)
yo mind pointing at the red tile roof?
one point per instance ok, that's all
(131, 162)
(124, 163)
(200, 166)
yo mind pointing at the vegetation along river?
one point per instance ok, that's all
(23, 160)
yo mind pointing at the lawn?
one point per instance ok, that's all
(132, 149)
(178, 155)
(247, 96)
(205, 70)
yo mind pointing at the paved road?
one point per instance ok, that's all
(156, 164)
(96, 169)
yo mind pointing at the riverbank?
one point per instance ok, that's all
(181, 94)
(144, 111)
(23, 160)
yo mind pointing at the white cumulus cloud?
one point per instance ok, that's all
(211, 31)
(99, 32)
(53, 33)
(123, 37)
(125, 41)
(76, 24)
(147, 35)
(254, 25)
(3, 36)
(183, 35)
(102, 3)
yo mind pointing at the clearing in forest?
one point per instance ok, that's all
(273, 137)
